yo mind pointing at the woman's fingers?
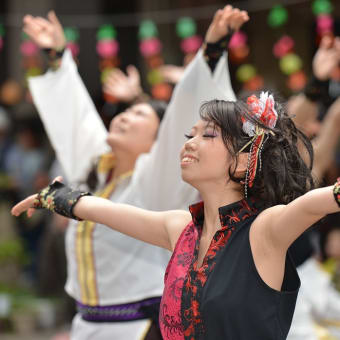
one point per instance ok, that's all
(58, 178)
(54, 19)
(30, 212)
(24, 205)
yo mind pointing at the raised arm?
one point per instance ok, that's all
(158, 228)
(157, 177)
(71, 120)
(282, 225)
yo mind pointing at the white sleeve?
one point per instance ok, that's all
(70, 118)
(157, 182)
(329, 306)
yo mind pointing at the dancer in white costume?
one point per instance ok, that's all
(317, 312)
(111, 275)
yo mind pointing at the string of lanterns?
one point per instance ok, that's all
(107, 49)
(289, 62)
(246, 73)
(150, 47)
(186, 30)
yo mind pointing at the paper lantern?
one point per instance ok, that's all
(324, 23)
(290, 63)
(1, 43)
(254, 84)
(245, 72)
(185, 27)
(297, 81)
(71, 34)
(2, 30)
(31, 62)
(111, 62)
(191, 44)
(239, 54)
(161, 91)
(278, 16)
(28, 48)
(150, 47)
(322, 7)
(154, 77)
(74, 48)
(283, 46)
(110, 99)
(147, 30)
(106, 32)
(105, 73)
(238, 39)
(24, 36)
(107, 48)
(33, 72)
(154, 61)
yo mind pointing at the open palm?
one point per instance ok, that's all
(46, 33)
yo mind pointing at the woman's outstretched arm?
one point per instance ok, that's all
(158, 228)
(283, 224)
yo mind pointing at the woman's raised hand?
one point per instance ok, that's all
(326, 58)
(125, 87)
(46, 33)
(28, 203)
(225, 19)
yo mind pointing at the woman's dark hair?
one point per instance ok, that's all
(284, 175)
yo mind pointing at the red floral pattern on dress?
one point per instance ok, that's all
(180, 317)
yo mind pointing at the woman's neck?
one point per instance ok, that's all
(124, 163)
(214, 198)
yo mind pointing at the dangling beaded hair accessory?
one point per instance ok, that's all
(263, 109)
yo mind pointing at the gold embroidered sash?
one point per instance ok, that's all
(84, 249)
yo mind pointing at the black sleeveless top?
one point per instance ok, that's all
(237, 304)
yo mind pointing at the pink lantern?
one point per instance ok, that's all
(1, 43)
(238, 39)
(28, 48)
(74, 47)
(150, 47)
(324, 23)
(191, 44)
(283, 46)
(107, 48)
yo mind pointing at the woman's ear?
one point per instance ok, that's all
(242, 163)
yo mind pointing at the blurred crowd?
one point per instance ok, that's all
(27, 164)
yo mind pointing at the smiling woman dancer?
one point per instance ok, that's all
(230, 275)
(115, 278)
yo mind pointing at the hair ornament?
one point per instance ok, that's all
(263, 109)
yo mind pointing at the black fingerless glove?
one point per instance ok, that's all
(59, 198)
(214, 51)
(53, 57)
(317, 90)
(336, 191)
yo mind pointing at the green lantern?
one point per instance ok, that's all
(71, 34)
(106, 32)
(2, 30)
(185, 27)
(24, 36)
(33, 72)
(278, 16)
(322, 7)
(154, 77)
(147, 29)
(290, 63)
(245, 72)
